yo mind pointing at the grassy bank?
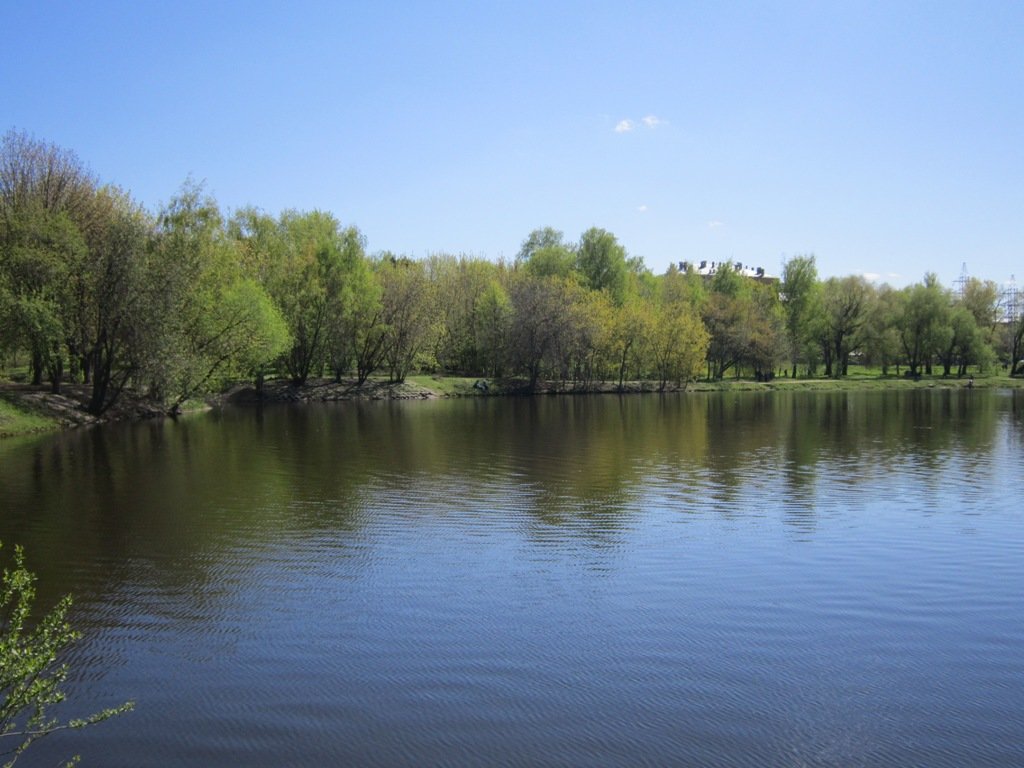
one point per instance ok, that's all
(17, 419)
(445, 386)
(860, 382)
(26, 410)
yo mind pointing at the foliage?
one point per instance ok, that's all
(407, 301)
(923, 323)
(117, 304)
(679, 345)
(217, 323)
(551, 261)
(631, 332)
(1016, 345)
(844, 311)
(880, 336)
(540, 319)
(601, 261)
(493, 310)
(464, 328)
(31, 678)
(95, 290)
(801, 300)
(539, 239)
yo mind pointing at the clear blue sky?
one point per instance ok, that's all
(885, 138)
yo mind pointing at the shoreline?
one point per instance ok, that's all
(26, 409)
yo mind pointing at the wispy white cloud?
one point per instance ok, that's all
(878, 277)
(627, 124)
(715, 224)
(642, 208)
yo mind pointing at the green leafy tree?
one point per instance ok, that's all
(461, 329)
(540, 318)
(493, 320)
(679, 345)
(540, 239)
(880, 335)
(407, 297)
(45, 198)
(924, 325)
(679, 287)
(31, 676)
(319, 265)
(38, 253)
(551, 261)
(845, 303)
(726, 315)
(766, 344)
(115, 300)
(363, 327)
(632, 327)
(981, 299)
(801, 300)
(218, 323)
(728, 281)
(1016, 344)
(965, 343)
(601, 261)
(579, 353)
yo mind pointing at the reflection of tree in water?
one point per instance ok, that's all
(177, 493)
(584, 468)
(779, 450)
(931, 434)
(578, 463)
(1015, 434)
(860, 440)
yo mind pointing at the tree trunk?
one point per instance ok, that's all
(37, 367)
(56, 376)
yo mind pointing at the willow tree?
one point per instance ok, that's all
(541, 239)
(1015, 342)
(45, 197)
(845, 306)
(493, 316)
(801, 301)
(679, 345)
(924, 322)
(540, 319)
(118, 300)
(217, 323)
(40, 251)
(464, 334)
(408, 302)
(725, 312)
(601, 261)
(632, 328)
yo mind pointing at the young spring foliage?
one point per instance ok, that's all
(31, 675)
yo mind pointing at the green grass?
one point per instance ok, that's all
(17, 418)
(447, 386)
(16, 421)
(860, 379)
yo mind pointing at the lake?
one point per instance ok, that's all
(720, 579)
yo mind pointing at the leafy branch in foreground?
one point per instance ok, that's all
(31, 678)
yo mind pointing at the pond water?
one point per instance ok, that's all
(723, 579)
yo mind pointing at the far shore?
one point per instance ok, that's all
(27, 409)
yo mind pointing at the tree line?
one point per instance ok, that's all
(174, 304)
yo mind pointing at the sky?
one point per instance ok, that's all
(886, 139)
